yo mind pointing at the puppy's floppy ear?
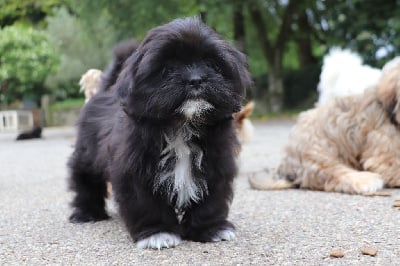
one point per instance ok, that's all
(239, 65)
(124, 87)
(241, 74)
(125, 84)
(124, 91)
(388, 91)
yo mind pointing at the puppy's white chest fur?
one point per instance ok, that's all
(195, 109)
(179, 159)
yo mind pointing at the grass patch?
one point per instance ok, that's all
(61, 113)
(286, 114)
(262, 113)
(67, 104)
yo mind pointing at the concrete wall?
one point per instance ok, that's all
(63, 116)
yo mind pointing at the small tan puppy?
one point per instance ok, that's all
(89, 83)
(349, 145)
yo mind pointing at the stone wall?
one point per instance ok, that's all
(62, 116)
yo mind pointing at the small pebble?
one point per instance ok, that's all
(369, 251)
(336, 253)
(396, 202)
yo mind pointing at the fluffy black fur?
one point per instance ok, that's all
(35, 133)
(123, 133)
(120, 53)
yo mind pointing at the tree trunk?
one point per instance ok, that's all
(238, 26)
(273, 50)
(304, 46)
(202, 12)
(275, 83)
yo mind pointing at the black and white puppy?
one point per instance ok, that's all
(164, 136)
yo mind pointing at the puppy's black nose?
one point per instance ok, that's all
(195, 80)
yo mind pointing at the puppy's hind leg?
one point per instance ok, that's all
(91, 191)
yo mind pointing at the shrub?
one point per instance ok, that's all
(26, 59)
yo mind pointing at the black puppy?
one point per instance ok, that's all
(163, 135)
(35, 133)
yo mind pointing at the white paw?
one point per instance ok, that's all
(226, 234)
(159, 241)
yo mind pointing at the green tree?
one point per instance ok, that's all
(363, 26)
(273, 39)
(84, 37)
(80, 46)
(133, 18)
(28, 12)
(26, 59)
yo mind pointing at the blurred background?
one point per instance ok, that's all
(46, 45)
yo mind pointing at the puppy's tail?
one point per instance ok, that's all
(243, 124)
(245, 112)
(264, 180)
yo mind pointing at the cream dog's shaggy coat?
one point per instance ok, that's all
(89, 83)
(349, 145)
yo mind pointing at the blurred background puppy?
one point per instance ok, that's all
(343, 73)
(89, 83)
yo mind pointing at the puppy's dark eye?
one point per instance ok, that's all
(214, 66)
(166, 70)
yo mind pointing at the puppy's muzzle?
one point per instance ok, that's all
(195, 83)
(195, 80)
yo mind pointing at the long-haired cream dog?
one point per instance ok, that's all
(349, 145)
(343, 74)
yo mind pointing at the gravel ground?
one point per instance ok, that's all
(290, 227)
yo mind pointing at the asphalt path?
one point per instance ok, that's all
(289, 227)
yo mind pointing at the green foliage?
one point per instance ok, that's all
(84, 33)
(363, 26)
(85, 38)
(80, 46)
(68, 104)
(32, 12)
(300, 87)
(133, 18)
(26, 58)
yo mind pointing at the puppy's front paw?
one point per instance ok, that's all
(224, 235)
(222, 231)
(79, 216)
(357, 183)
(159, 241)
